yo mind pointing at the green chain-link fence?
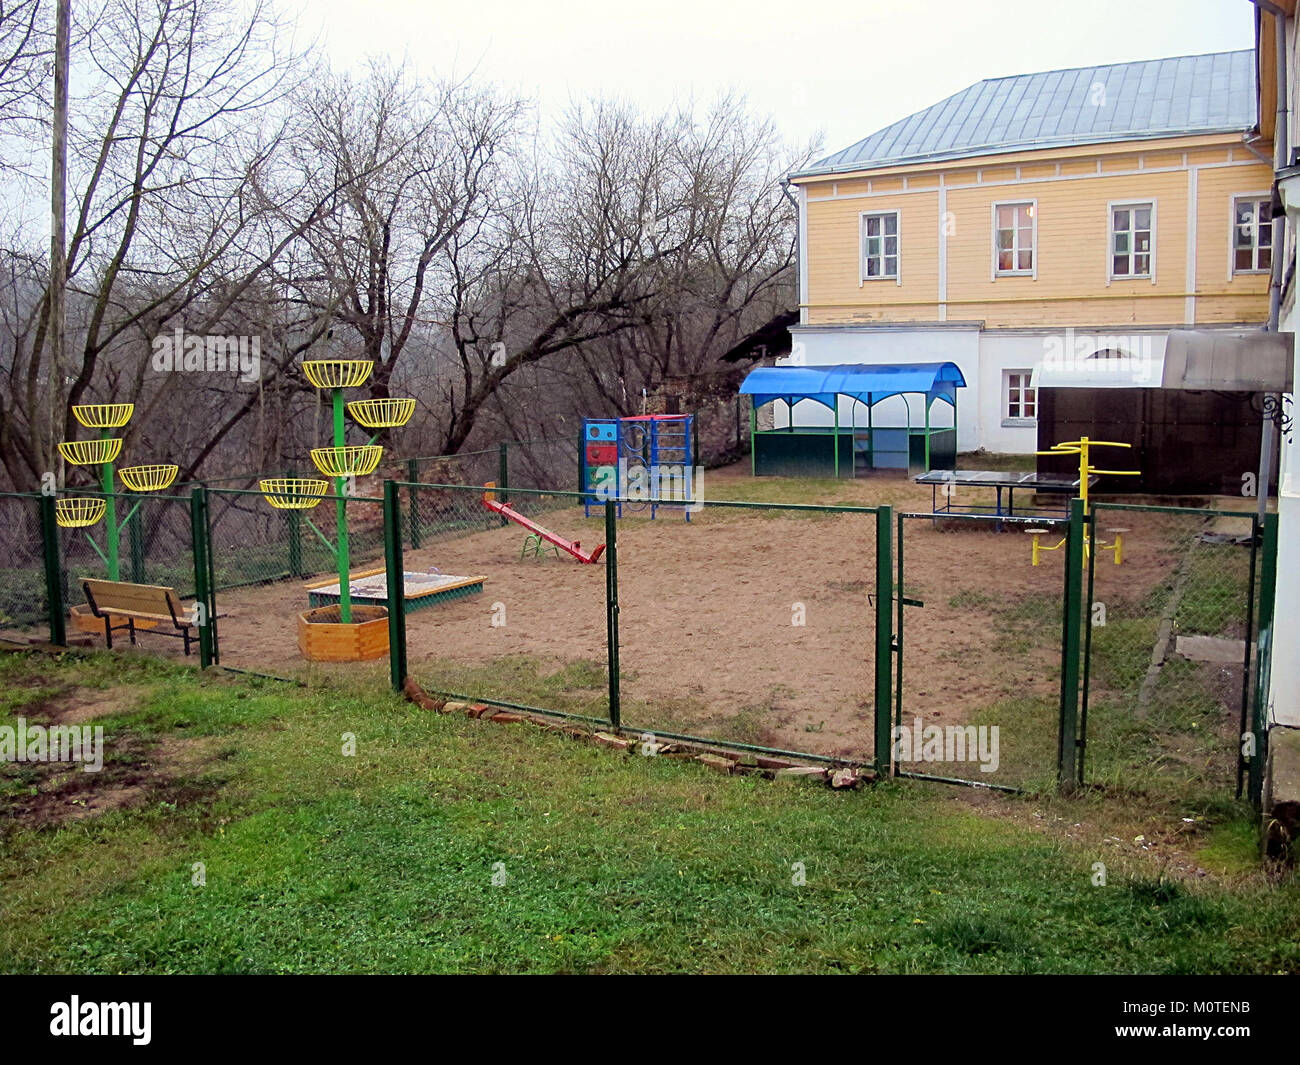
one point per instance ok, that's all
(980, 627)
(1170, 644)
(24, 608)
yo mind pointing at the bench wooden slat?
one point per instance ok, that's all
(154, 602)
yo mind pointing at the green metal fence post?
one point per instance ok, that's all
(611, 610)
(1091, 532)
(413, 476)
(53, 572)
(394, 571)
(503, 477)
(884, 639)
(214, 635)
(1267, 592)
(202, 593)
(1251, 642)
(1068, 731)
(901, 585)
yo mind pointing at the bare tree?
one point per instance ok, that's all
(169, 148)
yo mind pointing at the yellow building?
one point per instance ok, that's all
(1040, 218)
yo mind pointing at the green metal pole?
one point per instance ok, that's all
(1243, 718)
(1068, 734)
(927, 435)
(871, 436)
(753, 432)
(214, 636)
(1267, 593)
(202, 593)
(294, 518)
(112, 532)
(835, 437)
(341, 508)
(394, 570)
(954, 428)
(901, 585)
(884, 639)
(1090, 525)
(611, 610)
(413, 475)
(53, 572)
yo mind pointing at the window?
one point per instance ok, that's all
(1132, 240)
(880, 246)
(1014, 229)
(1021, 399)
(1252, 235)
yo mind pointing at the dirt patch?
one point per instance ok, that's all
(135, 771)
(87, 704)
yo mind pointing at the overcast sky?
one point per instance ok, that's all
(842, 68)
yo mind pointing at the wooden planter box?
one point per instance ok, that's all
(322, 637)
(82, 620)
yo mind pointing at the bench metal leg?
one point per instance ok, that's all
(130, 624)
(108, 632)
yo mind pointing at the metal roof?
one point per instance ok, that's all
(869, 383)
(1085, 105)
(1229, 362)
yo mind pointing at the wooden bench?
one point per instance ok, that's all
(137, 602)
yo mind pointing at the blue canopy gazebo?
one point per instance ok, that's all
(831, 450)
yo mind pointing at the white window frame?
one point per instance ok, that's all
(1009, 420)
(1110, 241)
(1235, 199)
(1015, 249)
(897, 275)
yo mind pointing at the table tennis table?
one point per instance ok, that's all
(999, 481)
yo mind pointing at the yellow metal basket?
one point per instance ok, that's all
(149, 478)
(293, 493)
(385, 413)
(337, 373)
(355, 461)
(103, 415)
(76, 512)
(91, 452)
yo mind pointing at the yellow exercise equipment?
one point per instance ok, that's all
(1082, 448)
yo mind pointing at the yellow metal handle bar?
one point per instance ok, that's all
(1075, 445)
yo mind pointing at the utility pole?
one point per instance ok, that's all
(58, 222)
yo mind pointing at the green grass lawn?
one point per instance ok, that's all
(384, 861)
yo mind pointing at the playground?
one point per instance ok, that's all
(756, 625)
(761, 613)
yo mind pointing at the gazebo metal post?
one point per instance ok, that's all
(835, 436)
(753, 437)
(871, 435)
(928, 401)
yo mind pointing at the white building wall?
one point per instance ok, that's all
(1284, 669)
(1284, 685)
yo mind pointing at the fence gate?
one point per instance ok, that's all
(1168, 651)
(979, 630)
